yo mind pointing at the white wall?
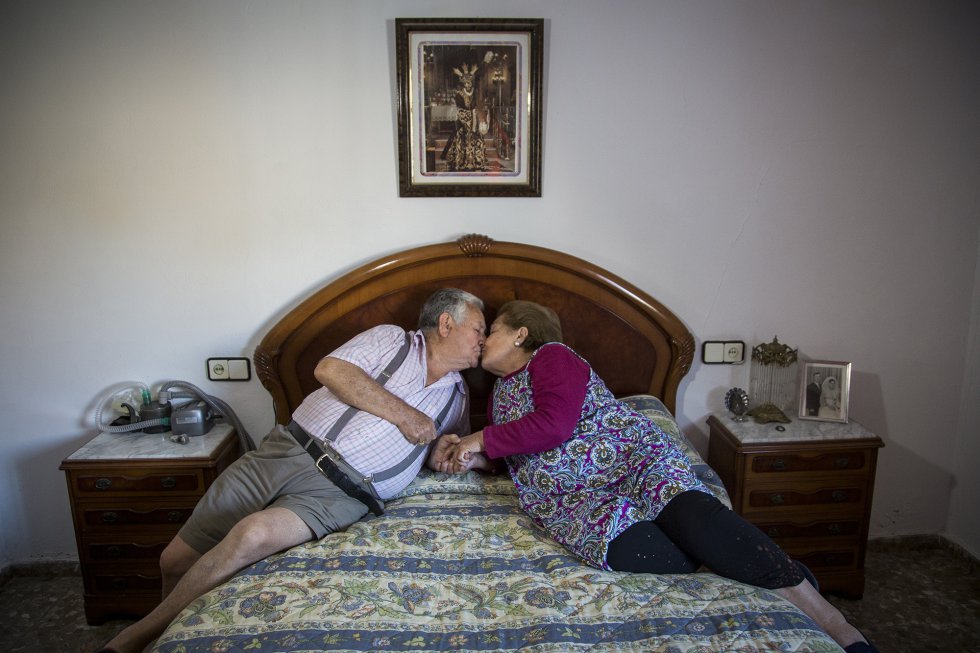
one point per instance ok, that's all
(963, 526)
(174, 176)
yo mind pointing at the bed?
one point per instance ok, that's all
(454, 564)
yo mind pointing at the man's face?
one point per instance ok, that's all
(466, 339)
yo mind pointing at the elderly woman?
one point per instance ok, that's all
(606, 482)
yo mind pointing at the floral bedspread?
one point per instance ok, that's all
(455, 565)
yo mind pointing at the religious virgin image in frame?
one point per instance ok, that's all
(469, 119)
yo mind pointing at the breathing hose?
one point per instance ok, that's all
(218, 405)
(141, 403)
(134, 404)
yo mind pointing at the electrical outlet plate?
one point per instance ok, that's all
(734, 352)
(229, 369)
(723, 352)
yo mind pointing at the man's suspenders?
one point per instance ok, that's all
(419, 449)
(382, 379)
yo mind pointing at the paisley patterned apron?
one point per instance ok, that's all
(618, 468)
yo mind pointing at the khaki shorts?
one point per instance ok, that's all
(278, 474)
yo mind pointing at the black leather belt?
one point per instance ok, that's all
(328, 461)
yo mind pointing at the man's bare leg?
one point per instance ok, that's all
(175, 561)
(253, 538)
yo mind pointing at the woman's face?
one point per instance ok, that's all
(500, 356)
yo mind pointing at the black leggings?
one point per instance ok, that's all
(695, 528)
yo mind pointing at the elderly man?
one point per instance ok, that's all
(361, 438)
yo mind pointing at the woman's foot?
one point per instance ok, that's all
(862, 646)
(106, 649)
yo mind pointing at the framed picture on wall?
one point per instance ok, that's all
(469, 106)
(825, 388)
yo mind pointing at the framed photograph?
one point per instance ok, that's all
(825, 388)
(469, 106)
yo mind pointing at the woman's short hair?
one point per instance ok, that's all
(542, 323)
(447, 300)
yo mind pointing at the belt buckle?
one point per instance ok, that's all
(318, 461)
(334, 456)
(330, 452)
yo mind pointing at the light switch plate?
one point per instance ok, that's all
(713, 352)
(239, 369)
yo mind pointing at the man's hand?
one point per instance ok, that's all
(416, 426)
(445, 458)
(440, 458)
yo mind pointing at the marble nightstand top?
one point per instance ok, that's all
(139, 445)
(796, 431)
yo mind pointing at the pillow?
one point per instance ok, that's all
(654, 409)
(473, 482)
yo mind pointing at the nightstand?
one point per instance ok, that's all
(808, 486)
(130, 493)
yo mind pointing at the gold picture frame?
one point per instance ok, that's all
(469, 106)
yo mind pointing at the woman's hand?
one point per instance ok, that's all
(447, 457)
(467, 447)
(444, 458)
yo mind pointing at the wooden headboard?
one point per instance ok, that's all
(633, 341)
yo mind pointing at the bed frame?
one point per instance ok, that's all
(633, 341)
(455, 563)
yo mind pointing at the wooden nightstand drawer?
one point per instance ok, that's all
(113, 579)
(124, 549)
(136, 481)
(116, 515)
(808, 463)
(826, 559)
(787, 497)
(791, 530)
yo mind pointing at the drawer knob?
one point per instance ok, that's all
(842, 462)
(119, 583)
(175, 516)
(777, 499)
(834, 529)
(779, 465)
(114, 551)
(110, 517)
(103, 483)
(168, 482)
(773, 532)
(838, 496)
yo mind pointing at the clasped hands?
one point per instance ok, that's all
(451, 454)
(454, 454)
